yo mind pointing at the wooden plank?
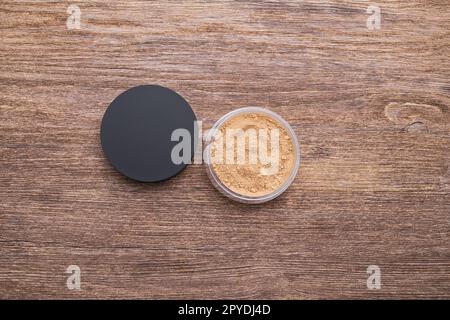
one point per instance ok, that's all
(371, 110)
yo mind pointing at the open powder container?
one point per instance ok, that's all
(244, 182)
(149, 133)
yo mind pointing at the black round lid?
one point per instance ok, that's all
(136, 132)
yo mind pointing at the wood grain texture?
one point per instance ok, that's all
(371, 110)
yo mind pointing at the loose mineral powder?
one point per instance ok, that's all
(256, 181)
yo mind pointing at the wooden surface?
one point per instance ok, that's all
(370, 108)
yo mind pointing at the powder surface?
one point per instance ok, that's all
(247, 178)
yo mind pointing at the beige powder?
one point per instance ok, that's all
(246, 179)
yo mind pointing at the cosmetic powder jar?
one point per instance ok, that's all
(243, 183)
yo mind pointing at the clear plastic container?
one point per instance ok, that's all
(245, 198)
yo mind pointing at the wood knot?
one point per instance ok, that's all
(416, 127)
(413, 117)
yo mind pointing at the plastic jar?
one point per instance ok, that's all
(259, 198)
